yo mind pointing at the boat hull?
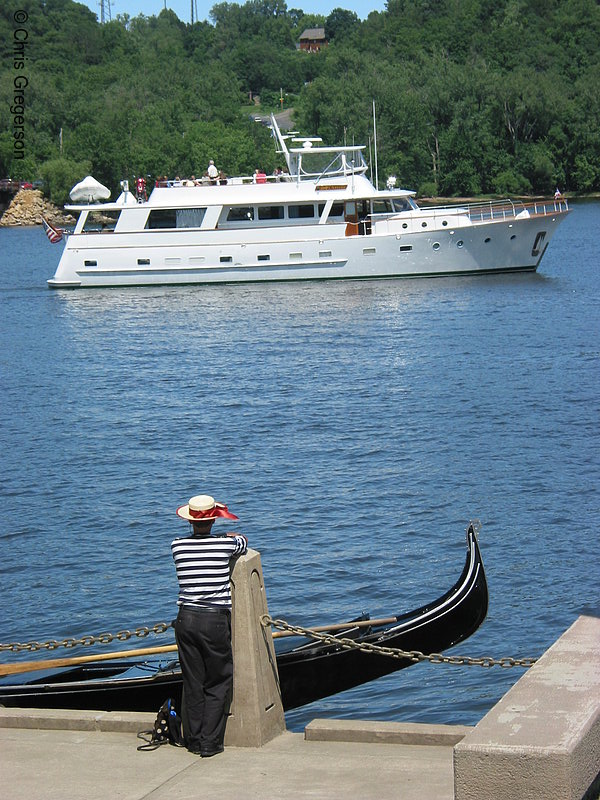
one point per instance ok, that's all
(307, 673)
(210, 257)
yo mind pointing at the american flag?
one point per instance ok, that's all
(53, 234)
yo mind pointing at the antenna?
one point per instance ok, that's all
(375, 146)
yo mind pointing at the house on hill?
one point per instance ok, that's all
(312, 40)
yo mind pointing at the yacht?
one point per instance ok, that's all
(323, 218)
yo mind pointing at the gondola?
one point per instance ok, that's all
(308, 672)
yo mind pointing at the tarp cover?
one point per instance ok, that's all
(89, 190)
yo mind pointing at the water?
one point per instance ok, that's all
(354, 427)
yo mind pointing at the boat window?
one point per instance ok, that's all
(303, 211)
(175, 218)
(101, 221)
(162, 218)
(270, 212)
(401, 204)
(190, 217)
(351, 212)
(382, 206)
(240, 214)
(337, 210)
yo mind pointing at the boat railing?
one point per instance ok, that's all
(510, 209)
(496, 209)
(237, 180)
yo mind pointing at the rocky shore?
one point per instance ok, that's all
(29, 206)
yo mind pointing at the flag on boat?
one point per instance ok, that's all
(53, 234)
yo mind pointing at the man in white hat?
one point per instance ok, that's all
(203, 624)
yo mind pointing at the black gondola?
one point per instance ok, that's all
(306, 673)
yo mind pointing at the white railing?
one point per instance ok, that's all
(500, 209)
(438, 217)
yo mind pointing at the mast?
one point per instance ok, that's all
(375, 146)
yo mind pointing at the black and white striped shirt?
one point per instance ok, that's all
(202, 566)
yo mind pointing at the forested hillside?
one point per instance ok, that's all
(472, 96)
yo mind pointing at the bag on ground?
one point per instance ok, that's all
(166, 730)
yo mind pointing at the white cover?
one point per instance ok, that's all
(88, 191)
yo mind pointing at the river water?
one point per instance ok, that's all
(355, 427)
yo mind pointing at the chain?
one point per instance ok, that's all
(394, 652)
(87, 641)
(325, 638)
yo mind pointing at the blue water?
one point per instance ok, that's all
(354, 427)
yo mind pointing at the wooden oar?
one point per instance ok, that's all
(338, 626)
(73, 661)
(30, 666)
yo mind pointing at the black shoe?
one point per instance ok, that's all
(194, 752)
(206, 753)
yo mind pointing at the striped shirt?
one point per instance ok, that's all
(202, 567)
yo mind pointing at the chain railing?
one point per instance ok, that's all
(267, 621)
(87, 641)
(395, 652)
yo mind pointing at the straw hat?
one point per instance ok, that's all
(203, 508)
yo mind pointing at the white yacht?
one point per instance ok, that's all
(322, 219)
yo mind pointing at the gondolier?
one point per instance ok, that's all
(203, 624)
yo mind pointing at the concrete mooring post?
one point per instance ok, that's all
(256, 713)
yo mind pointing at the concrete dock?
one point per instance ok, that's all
(95, 758)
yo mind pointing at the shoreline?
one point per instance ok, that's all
(27, 208)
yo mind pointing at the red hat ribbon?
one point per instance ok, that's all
(211, 513)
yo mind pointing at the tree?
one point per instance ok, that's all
(340, 24)
(60, 175)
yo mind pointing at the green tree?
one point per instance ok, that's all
(60, 175)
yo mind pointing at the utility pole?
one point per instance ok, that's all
(105, 14)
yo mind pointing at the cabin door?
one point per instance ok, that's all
(356, 215)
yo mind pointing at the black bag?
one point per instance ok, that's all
(166, 730)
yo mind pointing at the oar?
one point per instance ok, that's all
(338, 626)
(30, 666)
(73, 661)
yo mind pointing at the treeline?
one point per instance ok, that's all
(472, 96)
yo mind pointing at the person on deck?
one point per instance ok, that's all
(212, 172)
(203, 624)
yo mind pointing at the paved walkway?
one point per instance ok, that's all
(105, 765)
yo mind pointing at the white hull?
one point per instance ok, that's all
(196, 257)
